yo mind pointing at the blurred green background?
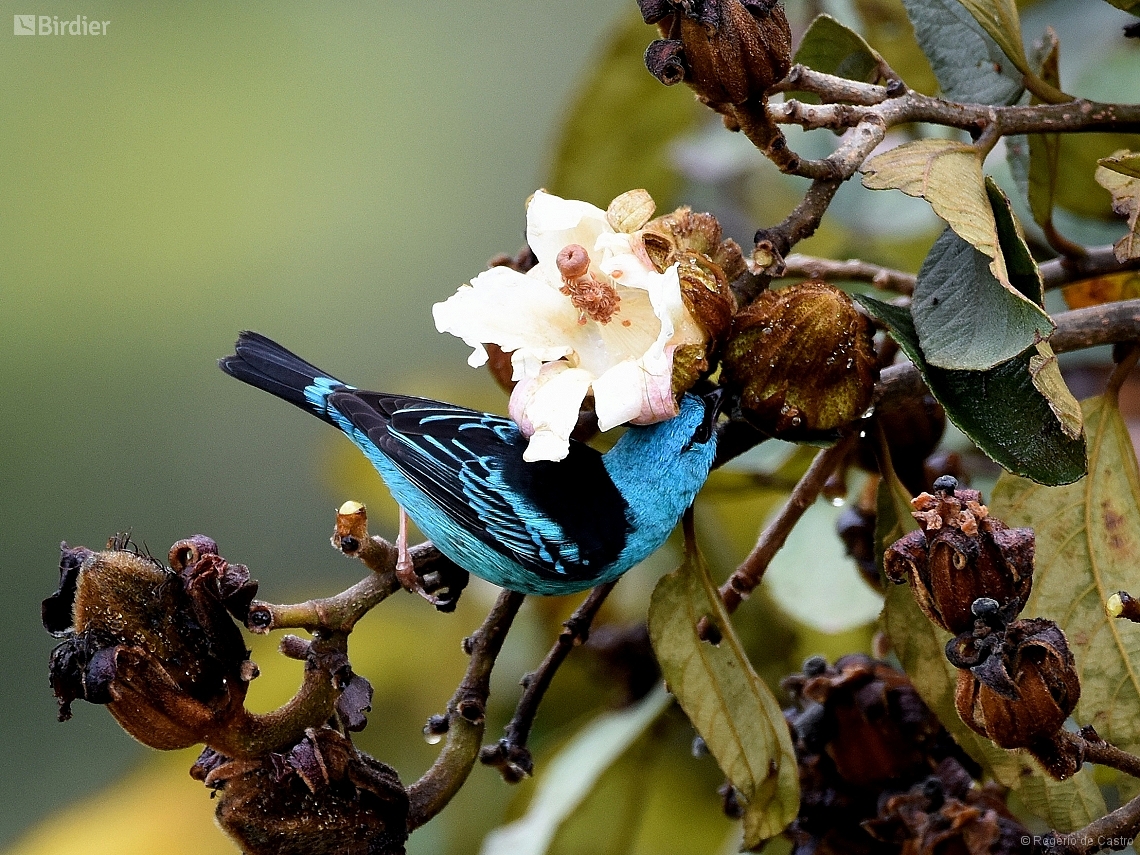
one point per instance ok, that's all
(322, 173)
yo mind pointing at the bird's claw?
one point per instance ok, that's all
(406, 568)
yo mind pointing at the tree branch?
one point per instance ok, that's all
(465, 721)
(852, 270)
(510, 754)
(751, 571)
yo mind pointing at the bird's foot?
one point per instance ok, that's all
(406, 568)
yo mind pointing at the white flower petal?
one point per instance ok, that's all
(507, 308)
(553, 223)
(633, 392)
(546, 408)
(558, 352)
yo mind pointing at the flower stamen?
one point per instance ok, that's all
(594, 299)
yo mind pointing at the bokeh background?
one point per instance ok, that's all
(323, 174)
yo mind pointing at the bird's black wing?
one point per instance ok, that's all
(562, 520)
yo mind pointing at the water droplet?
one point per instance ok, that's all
(433, 738)
(796, 421)
(766, 331)
(850, 363)
(838, 501)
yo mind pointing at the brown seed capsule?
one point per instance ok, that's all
(159, 646)
(1019, 685)
(802, 360)
(320, 796)
(728, 51)
(870, 720)
(706, 267)
(961, 554)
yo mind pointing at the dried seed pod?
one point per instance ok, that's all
(961, 554)
(802, 359)
(867, 715)
(1017, 686)
(946, 814)
(728, 51)
(706, 265)
(159, 646)
(320, 796)
(861, 732)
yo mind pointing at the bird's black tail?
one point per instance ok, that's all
(262, 362)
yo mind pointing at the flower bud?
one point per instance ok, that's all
(320, 796)
(802, 359)
(630, 211)
(1017, 686)
(961, 554)
(159, 646)
(728, 51)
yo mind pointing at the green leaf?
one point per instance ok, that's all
(1000, 410)
(885, 24)
(1064, 805)
(832, 48)
(1116, 175)
(1024, 275)
(969, 64)
(1045, 149)
(729, 706)
(619, 130)
(572, 774)
(999, 19)
(1088, 540)
(1132, 6)
(965, 319)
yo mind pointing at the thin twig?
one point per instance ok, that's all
(1096, 261)
(510, 754)
(852, 270)
(465, 720)
(751, 571)
(1077, 329)
(341, 611)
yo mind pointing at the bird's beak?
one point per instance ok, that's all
(714, 402)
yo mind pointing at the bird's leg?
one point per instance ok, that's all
(405, 567)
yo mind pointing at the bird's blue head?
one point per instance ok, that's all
(663, 466)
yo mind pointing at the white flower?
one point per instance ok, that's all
(592, 315)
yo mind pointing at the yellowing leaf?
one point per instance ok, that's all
(1102, 289)
(730, 707)
(948, 175)
(1124, 162)
(1048, 381)
(999, 19)
(1088, 541)
(1114, 174)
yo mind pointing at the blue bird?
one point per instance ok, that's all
(542, 528)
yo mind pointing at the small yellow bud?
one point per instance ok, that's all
(1114, 608)
(630, 211)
